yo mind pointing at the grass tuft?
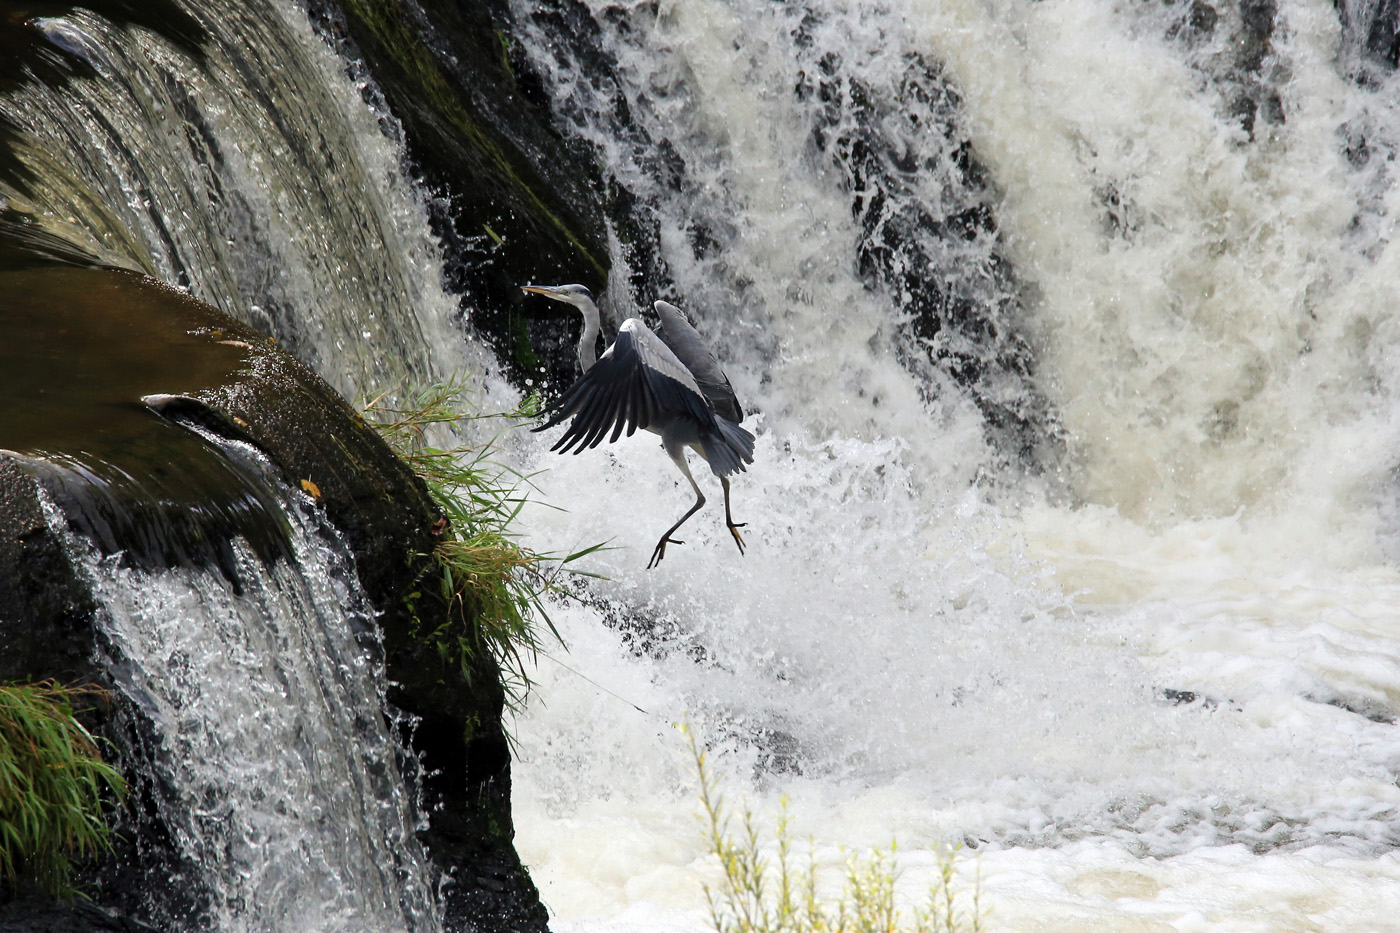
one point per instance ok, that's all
(496, 588)
(759, 896)
(53, 783)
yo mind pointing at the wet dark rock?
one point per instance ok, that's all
(44, 915)
(1174, 697)
(477, 54)
(45, 613)
(1376, 712)
(1169, 696)
(96, 438)
(1233, 46)
(1370, 38)
(940, 260)
(1257, 100)
(958, 315)
(516, 203)
(575, 42)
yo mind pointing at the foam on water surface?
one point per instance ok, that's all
(1148, 677)
(1154, 688)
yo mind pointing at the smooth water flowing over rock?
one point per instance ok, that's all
(221, 149)
(1069, 334)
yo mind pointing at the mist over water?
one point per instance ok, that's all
(1094, 577)
(1149, 678)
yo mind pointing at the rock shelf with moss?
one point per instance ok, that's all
(218, 380)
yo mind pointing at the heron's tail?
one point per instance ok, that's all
(730, 450)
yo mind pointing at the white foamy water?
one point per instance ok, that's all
(1151, 687)
(1154, 689)
(278, 775)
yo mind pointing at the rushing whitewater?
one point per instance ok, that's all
(1068, 333)
(254, 683)
(1147, 675)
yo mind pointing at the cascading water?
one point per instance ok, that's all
(231, 156)
(235, 160)
(265, 686)
(1148, 674)
(1069, 333)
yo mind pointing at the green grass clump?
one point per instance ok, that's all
(53, 783)
(495, 587)
(751, 899)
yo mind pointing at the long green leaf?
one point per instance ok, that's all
(496, 587)
(54, 786)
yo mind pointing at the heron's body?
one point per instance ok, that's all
(669, 384)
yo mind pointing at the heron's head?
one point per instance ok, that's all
(576, 295)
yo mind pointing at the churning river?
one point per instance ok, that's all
(1152, 686)
(1098, 580)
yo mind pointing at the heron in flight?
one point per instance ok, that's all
(669, 384)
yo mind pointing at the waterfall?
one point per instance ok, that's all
(223, 149)
(1136, 661)
(264, 686)
(230, 155)
(1067, 333)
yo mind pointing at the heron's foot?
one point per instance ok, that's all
(660, 551)
(734, 530)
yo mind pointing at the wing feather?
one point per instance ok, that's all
(624, 415)
(695, 355)
(609, 404)
(593, 419)
(637, 383)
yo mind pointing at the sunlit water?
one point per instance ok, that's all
(256, 177)
(1150, 686)
(264, 693)
(1154, 688)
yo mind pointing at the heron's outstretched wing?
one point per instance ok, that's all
(637, 383)
(690, 348)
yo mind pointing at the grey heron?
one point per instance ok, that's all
(669, 384)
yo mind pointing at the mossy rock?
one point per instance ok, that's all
(128, 385)
(518, 203)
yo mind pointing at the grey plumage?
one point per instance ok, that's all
(670, 384)
(693, 353)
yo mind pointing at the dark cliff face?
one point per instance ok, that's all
(481, 127)
(515, 202)
(144, 477)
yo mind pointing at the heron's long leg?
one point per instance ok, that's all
(729, 519)
(678, 455)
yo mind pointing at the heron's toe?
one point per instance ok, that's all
(660, 552)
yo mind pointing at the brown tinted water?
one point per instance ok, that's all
(79, 350)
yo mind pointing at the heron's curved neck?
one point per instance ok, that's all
(588, 343)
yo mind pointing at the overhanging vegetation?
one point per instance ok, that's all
(53, 787)
(495, 587)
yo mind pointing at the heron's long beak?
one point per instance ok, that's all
(549, 291)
